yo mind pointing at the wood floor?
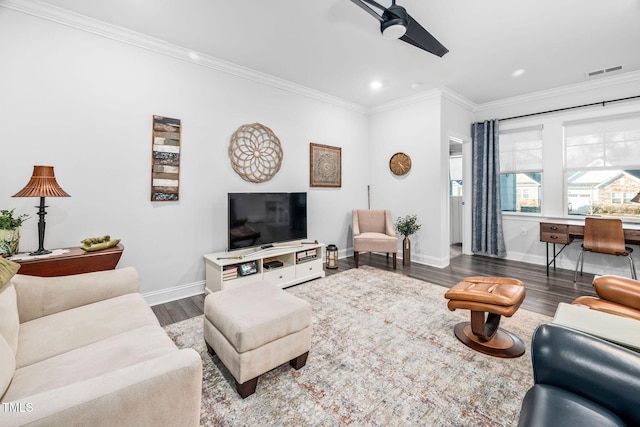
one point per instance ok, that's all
(543, 293)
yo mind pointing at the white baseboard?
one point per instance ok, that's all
(528, 258)
(417, 258)
(175, 293)
(428, 260)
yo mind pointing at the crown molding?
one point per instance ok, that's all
(132, 38)
(458, 99)
(630, 77)
(413, 99)
(442, 93)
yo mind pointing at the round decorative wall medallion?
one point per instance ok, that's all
(400, 163)
(255, 153)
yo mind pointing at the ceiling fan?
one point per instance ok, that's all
(396, 23)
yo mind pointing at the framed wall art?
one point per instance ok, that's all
(325, 169)
(165, 160)
(255, 153)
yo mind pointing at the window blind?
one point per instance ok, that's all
(521, 150)
(602, 143)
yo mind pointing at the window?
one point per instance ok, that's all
(455, 173)
(521, 170)
(602, 166)
(618, 198)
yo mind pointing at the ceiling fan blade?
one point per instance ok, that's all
(363, 4)
(421, 38)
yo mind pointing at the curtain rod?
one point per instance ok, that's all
(603, 103)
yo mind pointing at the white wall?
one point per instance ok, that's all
(522, 231)
(421, 129)
(84, 104)
(457, 117)
(413, 129)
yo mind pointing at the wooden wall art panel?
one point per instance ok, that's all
(165, 161)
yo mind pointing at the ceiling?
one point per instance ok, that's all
(335, 47)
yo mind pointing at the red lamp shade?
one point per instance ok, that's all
(42, 184)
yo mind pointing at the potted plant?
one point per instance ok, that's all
(10, 232)
(407, 226)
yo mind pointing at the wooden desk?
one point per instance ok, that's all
(566, 231)
(75, 261)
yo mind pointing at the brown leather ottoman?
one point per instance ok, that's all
(495, 296)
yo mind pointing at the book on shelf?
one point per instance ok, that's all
(229, 272)
(303, 256)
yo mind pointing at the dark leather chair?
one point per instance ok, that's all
(580, 380)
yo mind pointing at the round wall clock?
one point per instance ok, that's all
(400, 163)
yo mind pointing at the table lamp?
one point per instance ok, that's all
(42, 184)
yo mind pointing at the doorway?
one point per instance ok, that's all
(456, 203)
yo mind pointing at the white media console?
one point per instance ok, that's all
(282, 265)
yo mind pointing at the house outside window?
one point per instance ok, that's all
(619, 198)
(602, 166)
(521, 170)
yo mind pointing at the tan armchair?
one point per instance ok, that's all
(616, 295)
(373, 232)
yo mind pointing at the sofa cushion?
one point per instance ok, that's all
(59, 333)
(94, 360)
(9, 320)
(7, 365)
(7, 270)
(42, 296)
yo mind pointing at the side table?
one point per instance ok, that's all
(75, 261)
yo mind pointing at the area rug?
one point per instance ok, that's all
(383, 353)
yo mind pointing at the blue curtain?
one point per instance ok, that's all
(487, 235)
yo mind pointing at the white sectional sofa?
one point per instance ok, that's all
(87, 350)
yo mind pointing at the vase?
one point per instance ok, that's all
(9, 241)
(406, 251)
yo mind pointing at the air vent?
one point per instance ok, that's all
(604, 71)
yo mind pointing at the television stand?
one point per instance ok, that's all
(282, 265)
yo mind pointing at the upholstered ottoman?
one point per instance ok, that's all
(254, 328)
(488, 298)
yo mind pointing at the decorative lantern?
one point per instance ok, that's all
(332, 256)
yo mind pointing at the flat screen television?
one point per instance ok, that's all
(262, 219)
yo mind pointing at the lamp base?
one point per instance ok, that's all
(40, 252)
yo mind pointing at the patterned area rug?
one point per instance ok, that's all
(383, 354)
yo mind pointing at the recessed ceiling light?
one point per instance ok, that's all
(375, 85)
(518, 72)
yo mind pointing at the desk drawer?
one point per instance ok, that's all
(554, 233)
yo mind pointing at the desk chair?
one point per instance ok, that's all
(604, 236)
